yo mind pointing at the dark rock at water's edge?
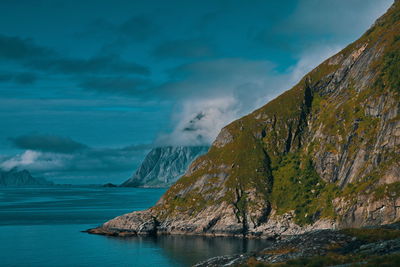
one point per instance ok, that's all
(379, 245)
(164, 165)
(21, 178)
(323, 155)
(110, 185)
(374, 245)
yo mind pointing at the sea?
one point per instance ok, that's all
(42, 226)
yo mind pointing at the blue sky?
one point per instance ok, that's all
(87, 87)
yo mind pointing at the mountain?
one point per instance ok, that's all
(20, 178)
(325, 154)
(164, 165)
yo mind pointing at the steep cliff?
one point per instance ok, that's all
(163, 166)
(324, 154)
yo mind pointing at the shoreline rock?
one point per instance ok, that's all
(323, 248)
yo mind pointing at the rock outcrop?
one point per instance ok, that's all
(325, 154)
(163, 166)
(378, 246)
(20, 178)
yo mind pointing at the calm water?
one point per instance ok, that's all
(41, 227)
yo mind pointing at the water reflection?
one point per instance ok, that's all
(188, 250)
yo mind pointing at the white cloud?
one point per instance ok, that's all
(99, 163)
(233, 88)
(25, 159)
(36, 161)
(199, 121)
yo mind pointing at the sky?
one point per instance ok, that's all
(88, 87)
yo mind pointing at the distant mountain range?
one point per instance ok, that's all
(164, 165)
(20, 178)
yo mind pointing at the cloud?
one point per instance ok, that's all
(205, 21)
(193, 48)
(203, 79)
(91, 161)
(47, 143)
(214, 93)
(55, 157)
(116, 85)
(327, 20)
(25, 78)
(198, 122)
(39, 58)
(98, 28)
(215, 78)
(27, 158)
(95, 65)
(334, 17)
(20, 49)
(137, 28)
(22, 78)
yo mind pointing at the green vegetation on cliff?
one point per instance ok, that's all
(323, 140)
(298, 187)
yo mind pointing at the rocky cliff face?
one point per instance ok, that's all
(164, 165)
(324, 154)
(20, 178)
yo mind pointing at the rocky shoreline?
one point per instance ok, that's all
(145, 223)
(327, 247)
(345, 247)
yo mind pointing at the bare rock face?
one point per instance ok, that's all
(135, 223)
(366, 211)
(322, 155)
(164, 165)
(223, 138)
